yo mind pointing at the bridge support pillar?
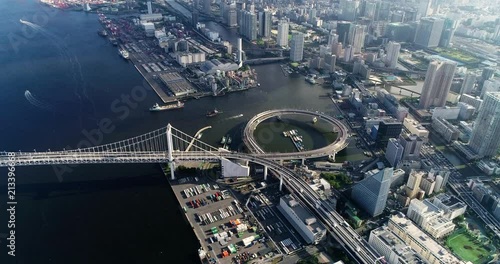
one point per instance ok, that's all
(265, 173)
(281, 182)
(170, 147)
(303, 162)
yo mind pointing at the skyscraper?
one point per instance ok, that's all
(429, 32)
(392, 49)
(265, 23)
(332, 38)
(424, 7)
(282, 38)
(449, 28)
(412, 145)
(358, 40)
(344, 30)
(150, 9)
(248, 27)
(437, 84)
(394, 152)
(371, 193)
(468, 83)
(297, 47)
(332, 60)
(486, 132)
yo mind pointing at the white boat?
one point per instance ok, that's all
(124, 53)
(315, 119)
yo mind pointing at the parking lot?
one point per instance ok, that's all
(227, 232)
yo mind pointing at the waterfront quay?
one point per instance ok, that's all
(226, 229)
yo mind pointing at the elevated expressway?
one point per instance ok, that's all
(356, 246)
(337, 126)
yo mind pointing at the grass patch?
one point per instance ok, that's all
(467, 248)
(336, 179)
(458, 55)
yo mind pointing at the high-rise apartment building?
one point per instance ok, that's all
(265, 22)
(484, 140)
(371, 193)
(437, 84)
(358, 40)
(297, 47)
(392, 49)
(282, 38)
(248, 27)
(468, 83)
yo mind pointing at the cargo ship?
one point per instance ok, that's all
(124, 53)
(213, 113)
(156, 107)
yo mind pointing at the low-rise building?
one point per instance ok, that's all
(431, 251)
(301, 219)
(445, 129)
(393, 248)
(415, 128)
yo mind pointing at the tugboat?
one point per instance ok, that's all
(156, 107)
(213, 113)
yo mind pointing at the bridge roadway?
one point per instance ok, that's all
(356, 246)
(339, 144)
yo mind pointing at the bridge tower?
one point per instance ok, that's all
(170, 147)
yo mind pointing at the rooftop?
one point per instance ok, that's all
(307, 218)
(423, 239)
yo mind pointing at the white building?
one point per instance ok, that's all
(430, 218)
(282, 38)
(451, 206)
(301, 219)
(431, 251)
(392, 48)
(297, 47)
(393, 248)
(415, 128)
(485, 142)
(233, 169)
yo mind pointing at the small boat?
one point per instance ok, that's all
(315, 119)
(102, 33)
(258, 84)
(124, 53)
(229, 139)
(223, 141)
(213, 113)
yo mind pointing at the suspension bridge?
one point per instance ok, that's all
(170, 145)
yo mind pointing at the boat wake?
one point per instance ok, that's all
(37, 102)
(79, 89)
(231, 117)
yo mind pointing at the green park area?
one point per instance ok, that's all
(336, 179)
(467, 247)
(457, 55)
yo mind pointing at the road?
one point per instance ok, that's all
(354, 244)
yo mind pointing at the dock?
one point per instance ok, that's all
(296, 139)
